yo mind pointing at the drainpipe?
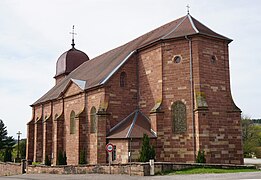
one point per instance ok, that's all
(192, 96)
(130, 154)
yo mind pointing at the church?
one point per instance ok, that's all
(172, 83)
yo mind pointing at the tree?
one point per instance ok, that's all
(47, 161)
(6, 143)
(251, 134)
(22, 148)
(147, 151)
(7, 155)
(8, 147)
(82, 157)
(201, 157)
(62, 159)
(3, 134)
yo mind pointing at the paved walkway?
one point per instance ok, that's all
(230, 176)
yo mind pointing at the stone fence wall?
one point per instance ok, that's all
(140, 169)
(7, 169)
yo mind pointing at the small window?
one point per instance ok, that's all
(177, 59)
(179, 117)
(123, 77)
(114, 154)
(93, 120)
(72, 122)
(213, 59)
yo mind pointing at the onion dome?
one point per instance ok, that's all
(70, 60)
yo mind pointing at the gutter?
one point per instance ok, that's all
(192, 96)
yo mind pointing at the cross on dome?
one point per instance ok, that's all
(188, 8)
(73, 33)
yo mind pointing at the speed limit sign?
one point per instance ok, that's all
(109, 147)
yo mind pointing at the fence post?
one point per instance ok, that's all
(23, 166)
(152, 172)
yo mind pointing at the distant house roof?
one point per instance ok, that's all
(98, 70)
(133, 126)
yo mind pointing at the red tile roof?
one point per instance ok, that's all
(133, 126)
(99, 69)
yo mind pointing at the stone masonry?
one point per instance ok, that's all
(181, 84)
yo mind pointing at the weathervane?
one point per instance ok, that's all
(188, 8)
(73, 33)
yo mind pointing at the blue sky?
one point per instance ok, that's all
(34, 34)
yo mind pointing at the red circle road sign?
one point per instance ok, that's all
(109, 147)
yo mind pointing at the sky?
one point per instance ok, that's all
(34, 33)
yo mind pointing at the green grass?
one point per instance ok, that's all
(36, 163)
(207, 170)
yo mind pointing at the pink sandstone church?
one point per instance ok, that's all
(171, 83)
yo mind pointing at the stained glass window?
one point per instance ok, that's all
(179, 117)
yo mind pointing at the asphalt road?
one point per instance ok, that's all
(230, 176)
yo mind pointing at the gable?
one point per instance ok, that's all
(72, 89)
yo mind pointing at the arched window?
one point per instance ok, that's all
(179, 117)
(93, 120)
(72, 122)
(123, 77)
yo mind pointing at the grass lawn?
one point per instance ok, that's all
(206, 170)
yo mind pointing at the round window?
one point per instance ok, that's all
(213, 59)
(177, 59)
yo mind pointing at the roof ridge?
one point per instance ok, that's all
(192, 23)
(121, 122)
(132, 124)
(174, 28)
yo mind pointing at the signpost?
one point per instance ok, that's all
(109, 149)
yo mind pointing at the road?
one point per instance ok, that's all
(230, 176)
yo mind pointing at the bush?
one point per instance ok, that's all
(147, 151)
(82, 157)
(8, 155)
(36, 163)
(62, 159)
(201, 157)
(47, 161)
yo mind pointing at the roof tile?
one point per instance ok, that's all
(95, 71)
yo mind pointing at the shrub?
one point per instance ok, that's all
(82, 157)
(36, 163)
(201, 157)
(147, 151)
(47, 161)
(7, 155)
(62, 159)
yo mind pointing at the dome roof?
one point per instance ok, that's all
(69, 61)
